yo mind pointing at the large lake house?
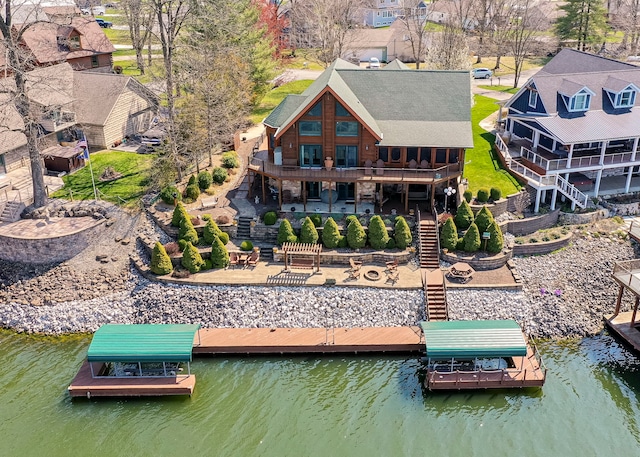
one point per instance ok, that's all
(573, 129)
(361, 136)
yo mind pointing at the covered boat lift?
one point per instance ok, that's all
(143, 359)
(480, 354)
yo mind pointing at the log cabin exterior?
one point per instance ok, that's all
(359, 135)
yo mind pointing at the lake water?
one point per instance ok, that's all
(322, 406)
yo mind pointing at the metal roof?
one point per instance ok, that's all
(593, 126)
(143, 343)
(471, 339)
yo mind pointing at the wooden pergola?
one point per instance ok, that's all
(301, 255)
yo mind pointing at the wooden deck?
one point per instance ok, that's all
(620, 327)
(528, 372)
(83, 385)
(308, 340)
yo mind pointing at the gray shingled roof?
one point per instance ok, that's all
(395, 65)
(570, 61)
(401, 107)
(281, 112)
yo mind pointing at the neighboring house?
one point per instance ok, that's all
(382, 13)
(111, 107)
(67, 37)
(442, 11)
(367, 135)
(385, 44)
(574, 129)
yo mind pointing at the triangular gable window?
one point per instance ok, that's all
(316, 110)
(341, 110)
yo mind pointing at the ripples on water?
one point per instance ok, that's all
(320, 406)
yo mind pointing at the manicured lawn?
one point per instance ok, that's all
(118, 36)
(130, 68)
(507, 64)
(508, 89)
(130, 187)
(298, 62)
(273, 98)
(482, 167)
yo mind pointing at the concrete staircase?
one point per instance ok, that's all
(432, 277)
(244, 228)
(11, 211)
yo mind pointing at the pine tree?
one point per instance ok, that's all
(402, 233)
(471, 239)
(464, 216)
(308, 232)
(449, 235)
(187, 232)
(211, 230)
(496, 242)
(356, 236)
(378, 235)
(584, 21)
(219, 253)
(286, 234)
(483, 220)
(160, 260)
(179, 213)
(191, 259)
(331, 234)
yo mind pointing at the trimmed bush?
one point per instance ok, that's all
(207, 217)
(471, 239)
(464, 216)
(204, 180)
(342, 243)
(350, 218)
(230, 159)
(187, 232)
(246, 245)
(223, 219)
(179, 213)
(224, 237)
(468, 195)
(192, 192)
(219, 253)
(316, 219)
(496, 242)
(402, 233)
(167, 194)
(308, 232)
(449, 235)
(356, 236)
(378, 235)
(207, 265)
(210, 230)
(182, 245)
(391, 244)
(191, 259)
(219, 175)
(270, 218)
(192, 180)
(483, 195)
(496, 194)
(331, 234)
(160, 261)
(286, 233)
(483, 220)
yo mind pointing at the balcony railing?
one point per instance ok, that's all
(593, 161)
(409, 175)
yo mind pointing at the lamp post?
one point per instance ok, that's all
(448, 192)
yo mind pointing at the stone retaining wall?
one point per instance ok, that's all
(542, 247)
(479, 264)
(583, 218)
(231, 229)
(496, 208)
(529, 225)
(48, 250)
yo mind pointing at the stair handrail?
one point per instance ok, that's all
(444, 283)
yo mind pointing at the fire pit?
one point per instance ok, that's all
(372, 275)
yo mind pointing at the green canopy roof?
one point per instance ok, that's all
(143, 343)
(470, 339)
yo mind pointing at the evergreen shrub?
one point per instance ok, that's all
(219, 253)
(219, 175)
(182, 245)
(449, 235)
(192, 180)
(356, 236)
(308, 232)
(464, 216)
(316, 219)
(350, 218)
(192, 192)
(342, 242)
(210, 230)
(331, 234)
(224, 237)
(483, 195)
(230, 159)
(167, 194)
(402, 233)
(286, 234)
(204, 180)
(270, 218)
(471, 239)
(191, 259)
(179, 213)
(187, 232)
(496, 194)
(246, 246)
(468, 195)
(496, 242)
(378, 235)
(391, 244)
(160, 260)
(483, 220)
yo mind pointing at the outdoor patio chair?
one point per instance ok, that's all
(380, 167)
(413, 164)
(233, 259)
(392, 266)
(354, 273)
(253, 259)
(393, 276)
(355, 264)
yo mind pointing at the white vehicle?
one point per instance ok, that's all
(374, 62)
(482, 73)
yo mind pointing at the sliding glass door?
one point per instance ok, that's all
(311, 155)
(346, 156)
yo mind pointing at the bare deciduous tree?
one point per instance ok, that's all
(523, 27)
(448, 50)
(140, 19)
(414, 19)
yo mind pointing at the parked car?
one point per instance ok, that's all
(104, 24)
(482, 73)
(374, 62)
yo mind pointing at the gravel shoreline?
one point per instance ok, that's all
(565, 294)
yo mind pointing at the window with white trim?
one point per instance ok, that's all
(533, 98)
(625, 99)
(580, 102)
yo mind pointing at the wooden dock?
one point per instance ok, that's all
(620, 326)
(308, 340)
(83, 385)
(528, 372)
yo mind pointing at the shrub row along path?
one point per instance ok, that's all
(81, 294)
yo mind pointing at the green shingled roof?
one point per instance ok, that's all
(401, 107)
(143, 343)
(471, 339)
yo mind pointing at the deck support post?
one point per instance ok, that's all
(355, 197)
(140, 368)
(249, 182)
(635, 310)
(264, 192)
(597, 187)
(554, 195)
(330, 198)
(627, 183)
(304, 195)
(536, 208)
(91, 368)
(406, 200)
(618, 302)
